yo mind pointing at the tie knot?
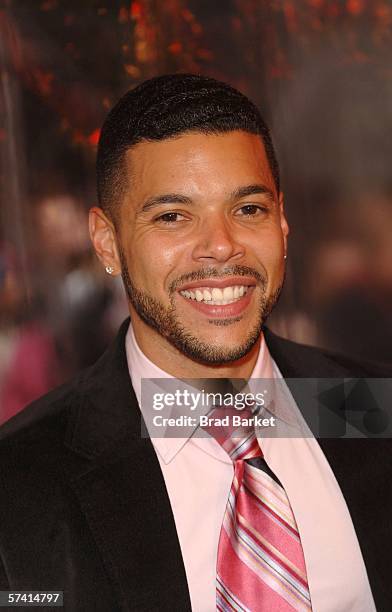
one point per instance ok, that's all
(234, 430)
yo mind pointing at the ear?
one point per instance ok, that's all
(283, 221)
(103, 237)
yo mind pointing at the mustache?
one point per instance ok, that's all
(207, 273)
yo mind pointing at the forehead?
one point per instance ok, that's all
(198, 163)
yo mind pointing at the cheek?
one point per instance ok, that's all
(269, 249)
(152, 260)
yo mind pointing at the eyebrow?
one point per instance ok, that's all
(167, 198)
(176, 198)
(243, 192)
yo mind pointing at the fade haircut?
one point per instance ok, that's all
(165, 107)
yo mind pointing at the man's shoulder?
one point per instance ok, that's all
(42, 422)
(301, 360)
(32, 456)
(96, 400)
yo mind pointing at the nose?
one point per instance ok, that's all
(216, 242)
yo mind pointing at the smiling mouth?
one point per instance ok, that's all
(215, 296)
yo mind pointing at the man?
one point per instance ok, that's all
(191, 214)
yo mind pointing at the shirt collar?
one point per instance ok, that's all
(140, 367)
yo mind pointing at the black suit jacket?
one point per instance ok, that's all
(84, 506)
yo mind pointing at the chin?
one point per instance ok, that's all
(208, 350)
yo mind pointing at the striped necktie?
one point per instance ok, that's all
(260, 564)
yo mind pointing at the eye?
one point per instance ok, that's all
(170, 218)
(250, 210)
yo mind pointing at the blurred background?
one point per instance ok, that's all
(321, 72)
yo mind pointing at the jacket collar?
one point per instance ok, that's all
(104, 407)
(105, 411)
(300, 361)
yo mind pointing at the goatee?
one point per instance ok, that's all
(166, 322)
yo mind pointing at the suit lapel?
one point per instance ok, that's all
(117, 479)
(296, 362)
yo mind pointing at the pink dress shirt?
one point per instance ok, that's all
(198, 474)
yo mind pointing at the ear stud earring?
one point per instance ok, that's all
(285, 256)
(109, 269)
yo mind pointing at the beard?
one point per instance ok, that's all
(165, 320)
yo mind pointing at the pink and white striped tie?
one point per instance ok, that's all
(260, 565)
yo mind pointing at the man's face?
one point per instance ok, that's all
(202, 236)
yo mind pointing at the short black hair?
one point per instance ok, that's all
(167, 106)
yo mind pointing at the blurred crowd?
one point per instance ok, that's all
(344, 298)
(64, 321)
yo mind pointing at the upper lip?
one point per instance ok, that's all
(221, 283)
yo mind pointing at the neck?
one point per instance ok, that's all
(172, 361)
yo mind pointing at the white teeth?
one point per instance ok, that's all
(228, 293)
(215, 296)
